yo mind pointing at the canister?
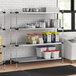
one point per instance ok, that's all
(55, 36)
(28, 37)
(44, 37)
(33, 40)
(47, 54)
(39, 51)
(42, 24)
(48, 37)
(55, 54)
(40, 40)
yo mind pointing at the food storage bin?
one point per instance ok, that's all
(55, 54)
(44, 37)
(55, 23)
(55, 37)
(48, 37)
(39, 50)
(33, 40)
(28, 37)
(36, 37)
(47, 54)
(40, 40)
(51, 47)
(42, 24)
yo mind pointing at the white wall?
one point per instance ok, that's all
(26, 3)
(17, 4)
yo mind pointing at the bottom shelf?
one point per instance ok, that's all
(31, 59)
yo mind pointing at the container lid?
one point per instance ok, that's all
(32, 34)
(40, 34)
(41, 47)
(51, 46)
(46, 51)
(57, 33)
(48, 33)
(35, 33)
(44, 32)
(55, 50)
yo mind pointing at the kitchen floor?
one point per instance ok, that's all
(34, 65)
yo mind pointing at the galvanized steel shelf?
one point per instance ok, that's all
(23, 44)
(32, 59)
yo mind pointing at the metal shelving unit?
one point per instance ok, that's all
(16, 44)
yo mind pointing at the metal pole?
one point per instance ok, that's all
(62, 36)
(10, 37)
(4, 20)
(4, 60)
(4, 46)
(16, 43)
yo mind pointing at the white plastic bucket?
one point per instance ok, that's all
(47, 54)
(39, 51)
(55, 54)
(51, 47)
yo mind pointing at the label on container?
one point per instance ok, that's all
(48, 38)
(57, 37)
(53, 38)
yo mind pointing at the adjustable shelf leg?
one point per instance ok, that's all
(16, 58)
(71, 61)
(62, 60)
(4, 63)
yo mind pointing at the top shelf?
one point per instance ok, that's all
(38, 12)
(49, 10)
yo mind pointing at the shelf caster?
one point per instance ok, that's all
(71, 62)
(16, 65)
(10, 61)
(62, 61)
(4, 67)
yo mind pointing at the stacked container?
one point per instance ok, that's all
(47, 37)
(55, 37)
(40, 50)
(47, 54)
(55, 54)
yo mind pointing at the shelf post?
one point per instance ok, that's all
(4, 20)
(16, 40)
(10, 37)
(4, 62)
(62, 36)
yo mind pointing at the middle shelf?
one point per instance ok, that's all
(23, 44)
